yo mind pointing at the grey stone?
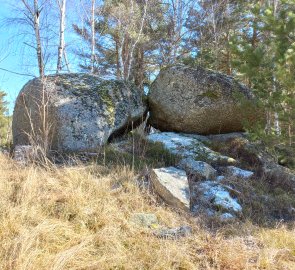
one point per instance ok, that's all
(82, 111)
(145, 220)
(24, 154)
(226, 217)
(237, 172)
(174, 233)
(199, 169)
(172, 185)
(196, 100)
(189, 146)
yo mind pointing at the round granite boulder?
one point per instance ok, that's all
(75, 112)
(196, 100)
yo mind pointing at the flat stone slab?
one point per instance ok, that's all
(172, 185)
(190, 146)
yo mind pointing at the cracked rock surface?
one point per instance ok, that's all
(81, 111)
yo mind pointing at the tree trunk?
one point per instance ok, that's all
(118, 74)
(38, 38)
(62, 7)
(139, 68)
(92, 35)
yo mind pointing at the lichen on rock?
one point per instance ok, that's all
(196, 100)
(85, 110)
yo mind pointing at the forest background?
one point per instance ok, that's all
(253, 41)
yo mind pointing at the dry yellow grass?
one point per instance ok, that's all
(73, 218)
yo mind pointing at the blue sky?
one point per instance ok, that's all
(10, 57)
(17, 57)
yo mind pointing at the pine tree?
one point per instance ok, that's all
(263, 57)
(211, 24)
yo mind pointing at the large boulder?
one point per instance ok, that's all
(75, 112)
(196, 100)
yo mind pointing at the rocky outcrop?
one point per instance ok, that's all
(255, 155)
(208, 197)
(75, 112)
(190, 146)
(199, 101)
(199, 182)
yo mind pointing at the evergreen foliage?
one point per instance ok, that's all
(255, 42)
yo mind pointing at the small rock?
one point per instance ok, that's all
(174, 233)
(172, 185)
(144, 220)
(23, 154)
(226, 217)
(237, 172)
(199, 169)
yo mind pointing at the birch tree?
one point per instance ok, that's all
(92, 35)
(62, 24)
(33, 13)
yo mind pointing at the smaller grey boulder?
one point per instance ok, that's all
(199, 169)
(172, 185)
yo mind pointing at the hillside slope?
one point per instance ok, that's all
(79, 217)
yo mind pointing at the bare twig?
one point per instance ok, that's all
(17, 73)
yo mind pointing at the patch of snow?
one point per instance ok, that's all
(188, 145)
(219, 196)
(235, 171)
(219, 178)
